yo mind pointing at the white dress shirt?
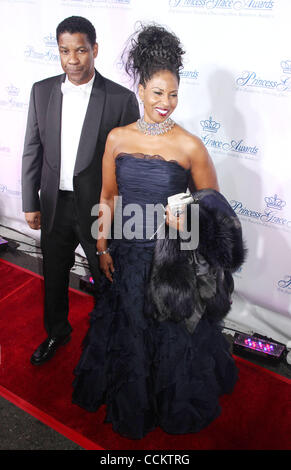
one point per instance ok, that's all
(75, 103)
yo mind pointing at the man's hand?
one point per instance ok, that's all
(33, 219)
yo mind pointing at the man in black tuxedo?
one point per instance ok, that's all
(69, 118)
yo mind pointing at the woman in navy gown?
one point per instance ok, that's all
(150, 371)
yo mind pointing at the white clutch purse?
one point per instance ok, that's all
(178, 201)
(176, 204)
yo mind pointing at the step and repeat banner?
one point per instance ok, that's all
(235, 94)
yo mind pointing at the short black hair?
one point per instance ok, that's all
(77, 24)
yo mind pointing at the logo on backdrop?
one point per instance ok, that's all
(49, 54)
(209, 125)
(274, 202)
(220, 145)
(284, 285)
(11, 100)
(286, 66)
(96, 3)
(4, 150)
(249, 80)
(190, 76)
(270, 216)
(19, 1)
(4, 189)
(12, 90)
(224, 6)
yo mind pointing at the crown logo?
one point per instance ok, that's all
(209, 125)
(50, 40)
(285, 283)
(286, 66)
(12, 90)
(275, 202)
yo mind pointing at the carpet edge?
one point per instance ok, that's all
(38, 275)
(256, 366)
(48, 420)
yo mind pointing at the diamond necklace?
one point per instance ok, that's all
(155, 128)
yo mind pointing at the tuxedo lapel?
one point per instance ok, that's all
(53, 126)
(90, 129)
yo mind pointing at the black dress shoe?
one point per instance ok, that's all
(47, 349)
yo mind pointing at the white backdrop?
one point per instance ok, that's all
(235, 94)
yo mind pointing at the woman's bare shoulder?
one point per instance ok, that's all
(123, 130)
(190, 142)
(119, 136)
(120, 133)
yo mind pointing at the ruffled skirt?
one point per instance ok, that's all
(149, 373)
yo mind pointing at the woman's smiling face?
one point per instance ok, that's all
(159, 96)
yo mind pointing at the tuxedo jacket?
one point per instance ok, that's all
(110, 105)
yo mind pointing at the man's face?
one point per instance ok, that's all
(77, 57)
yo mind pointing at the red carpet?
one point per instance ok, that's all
(256, 416)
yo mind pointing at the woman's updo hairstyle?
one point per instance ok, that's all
(150, 49)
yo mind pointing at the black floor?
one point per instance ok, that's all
(21, 431)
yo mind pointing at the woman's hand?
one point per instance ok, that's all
(176, 221)
(106, 265)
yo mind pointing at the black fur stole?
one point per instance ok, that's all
(186, 284)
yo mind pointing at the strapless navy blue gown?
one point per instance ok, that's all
(149, 373)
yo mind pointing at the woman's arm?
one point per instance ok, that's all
(108, 191)
(203, 174)
(202, 169)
